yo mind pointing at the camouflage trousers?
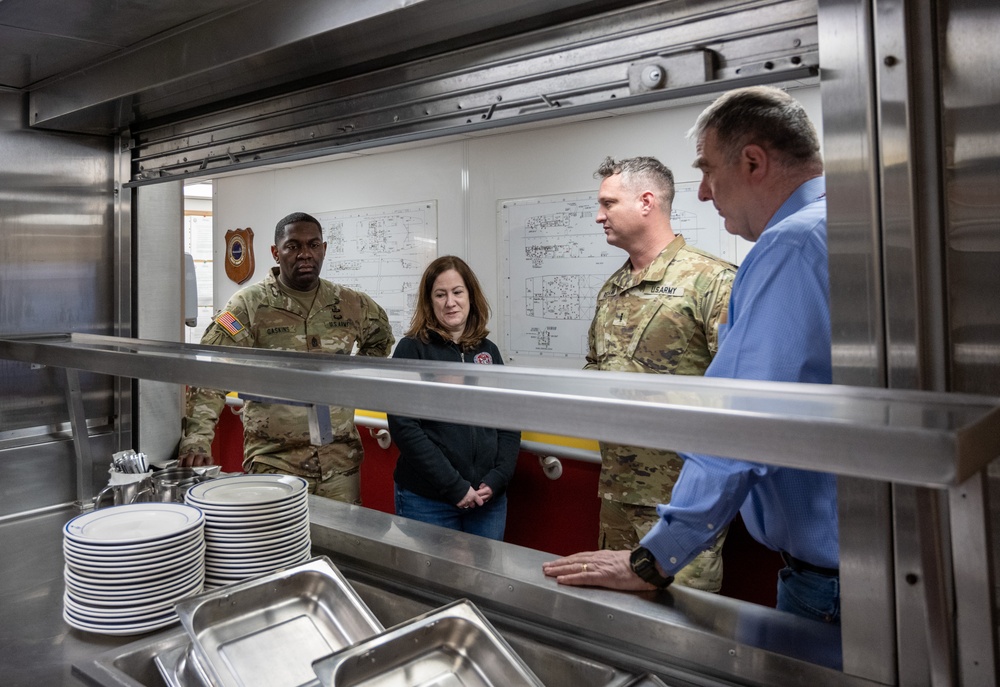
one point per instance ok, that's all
(342, 486)
(623, 525)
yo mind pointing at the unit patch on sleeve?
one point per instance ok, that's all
(484, 358)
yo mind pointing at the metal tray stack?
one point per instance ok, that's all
(307, 626)
(267, 631)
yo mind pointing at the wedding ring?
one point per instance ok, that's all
(584, 567)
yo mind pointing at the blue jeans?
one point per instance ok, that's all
(809, 595)
(488, 520)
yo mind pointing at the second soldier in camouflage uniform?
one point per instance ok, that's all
(658, 314)
(292, 309)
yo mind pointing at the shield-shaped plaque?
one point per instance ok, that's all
(239, 254)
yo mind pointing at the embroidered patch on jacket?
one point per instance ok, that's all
(228, 321)
(484, 358)
(664, 290)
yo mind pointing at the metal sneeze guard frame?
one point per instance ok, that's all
(908, 437)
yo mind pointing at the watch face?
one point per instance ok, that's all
(644, 565)
(640, 559)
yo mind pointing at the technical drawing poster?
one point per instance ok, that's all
(382, 251)
(556, 259)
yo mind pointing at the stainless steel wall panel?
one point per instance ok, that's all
(919, 273)
(56, 258)
(969, 73)
(970, 95)
(44, 474)
(857, 312)
(913, 658)
(977, 651)
(914, 345)
(850, 154)
(906, 42)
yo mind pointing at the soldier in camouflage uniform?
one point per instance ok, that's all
(292, 309)
(658, 314)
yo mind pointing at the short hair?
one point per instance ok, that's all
(641, 171)
(424, 321)
(279, 228)
(764, 116)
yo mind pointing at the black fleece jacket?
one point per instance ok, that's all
(441, 460)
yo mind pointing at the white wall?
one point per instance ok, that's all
(466, 177)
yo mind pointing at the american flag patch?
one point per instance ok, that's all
(227, 321)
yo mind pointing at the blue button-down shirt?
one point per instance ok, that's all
(778, 330)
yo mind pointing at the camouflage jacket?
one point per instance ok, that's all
(664, 320)
(340, 321)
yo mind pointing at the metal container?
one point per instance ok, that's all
(122, 492)
(268, 630)
(170, 485)
(180, 668)
(454, 645)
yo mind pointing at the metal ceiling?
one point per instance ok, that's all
(196, 87)
(100, 66)
(646, 55)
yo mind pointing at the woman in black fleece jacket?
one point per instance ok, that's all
(447, 474)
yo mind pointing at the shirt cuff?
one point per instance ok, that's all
(666, 549)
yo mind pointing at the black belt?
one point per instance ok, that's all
(798, 565)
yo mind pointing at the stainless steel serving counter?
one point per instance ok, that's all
(37, 648)
(935, 441)
(573, 637)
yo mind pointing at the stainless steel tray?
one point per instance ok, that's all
(454, 646)
(267, 631)
(180, 668)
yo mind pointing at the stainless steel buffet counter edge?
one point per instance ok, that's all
(685, 636)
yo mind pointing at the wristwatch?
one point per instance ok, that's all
(644, 565)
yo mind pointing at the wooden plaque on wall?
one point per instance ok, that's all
(239, 254)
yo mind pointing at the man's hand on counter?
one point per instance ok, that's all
(609, 569)
(194, 460)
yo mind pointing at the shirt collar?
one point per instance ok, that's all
(809, 192)
(656, 270)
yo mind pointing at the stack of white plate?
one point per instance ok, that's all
(126, 566)
(254, 524)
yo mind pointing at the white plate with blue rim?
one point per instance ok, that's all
(140, 550)
(133, 523)
(243, 490)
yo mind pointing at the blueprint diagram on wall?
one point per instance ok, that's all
(382, 251)
(555, 260)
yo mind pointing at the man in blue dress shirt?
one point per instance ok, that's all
(761, 167)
